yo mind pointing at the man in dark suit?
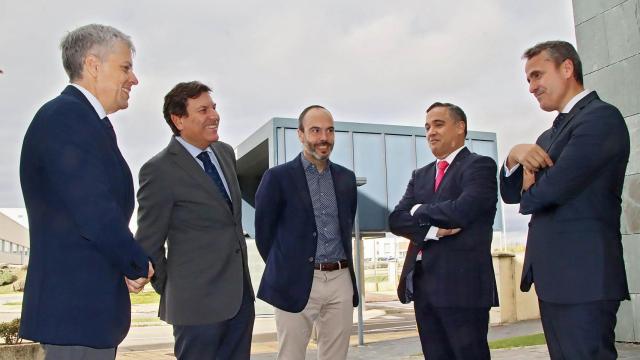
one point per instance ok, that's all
(305, 210)
(78, 193)
(189, 198)
(570, 181)
(447, 213)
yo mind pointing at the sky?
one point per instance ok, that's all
(372, 61)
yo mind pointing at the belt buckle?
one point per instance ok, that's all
(339, 265)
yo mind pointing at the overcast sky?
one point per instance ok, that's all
(370, 61)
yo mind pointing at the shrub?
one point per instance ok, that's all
(6, 277)
(9, 332)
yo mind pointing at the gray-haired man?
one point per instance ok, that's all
(78, 192)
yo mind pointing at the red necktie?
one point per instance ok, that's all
(442, 166)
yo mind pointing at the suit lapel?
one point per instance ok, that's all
(107, 140)
(574, 111)
(340, 191)
(228, 172)
(188, 164)
(302, 187)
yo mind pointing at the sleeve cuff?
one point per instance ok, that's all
(432, 233)
(507, 171)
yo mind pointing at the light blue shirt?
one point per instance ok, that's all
(195, 151)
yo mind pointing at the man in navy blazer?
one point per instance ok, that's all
(570, 181)
(447, 213)
(304, 217)
(78, 192)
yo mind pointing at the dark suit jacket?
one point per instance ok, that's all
(79, 197)
(574, 251)
(286, 233)
(457, 270)
(200, 279)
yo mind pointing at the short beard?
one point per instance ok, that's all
(317, 156)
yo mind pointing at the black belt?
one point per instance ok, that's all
(331, 266)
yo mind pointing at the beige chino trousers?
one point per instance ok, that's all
(330, 307)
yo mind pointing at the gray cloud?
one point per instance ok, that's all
(367, 61)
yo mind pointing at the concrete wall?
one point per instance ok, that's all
(608, 40)
(515, 305)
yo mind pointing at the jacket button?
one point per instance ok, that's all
(315, 234)
(237, 251)
(311, 259)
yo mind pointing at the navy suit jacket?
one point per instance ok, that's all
(574, 249)
(286, 233)
(457, 270)
(78, 193)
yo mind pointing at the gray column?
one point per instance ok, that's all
(608, 39)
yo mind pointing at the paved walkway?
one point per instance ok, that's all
(156, 342)
(407, 348)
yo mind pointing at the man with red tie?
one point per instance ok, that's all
(447, 213)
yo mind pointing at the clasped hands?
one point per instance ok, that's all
(135, 286)
(532, 158)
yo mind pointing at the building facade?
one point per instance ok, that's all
(608, 40)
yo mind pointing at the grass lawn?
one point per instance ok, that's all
(376, 278)
(146, 297)
(518, 341)
(145, 320)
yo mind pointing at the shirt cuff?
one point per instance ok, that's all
(432, 233)
(507, 171)
(414, 208)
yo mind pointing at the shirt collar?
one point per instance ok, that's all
(97, 106)
(307, 165)
(192, 149)
(579, 96)
(449, 159)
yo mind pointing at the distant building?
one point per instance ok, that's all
(384, 154)
(14, 237)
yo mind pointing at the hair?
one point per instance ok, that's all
(454, 110)
(304, 113)
(93, 39)
(558, 51)
(175, 102)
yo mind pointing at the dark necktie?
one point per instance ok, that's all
(557, 123)
(214, 175)
(110, 128)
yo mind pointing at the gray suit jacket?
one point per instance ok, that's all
(200, 276)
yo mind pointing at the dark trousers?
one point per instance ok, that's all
(450, 333)
(580, 331)
(225, 340)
